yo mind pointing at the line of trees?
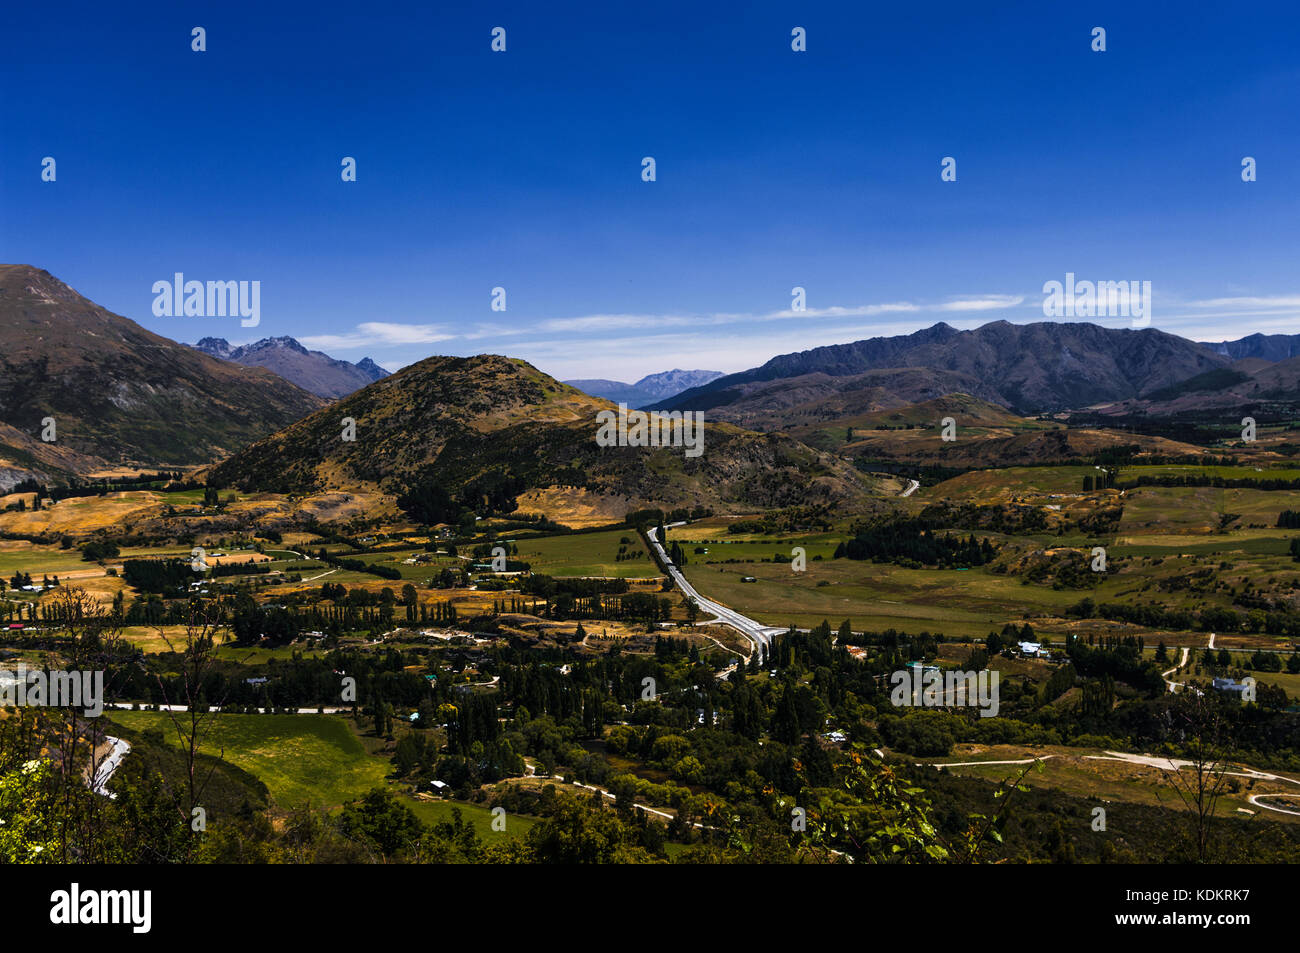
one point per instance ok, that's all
(910, 541)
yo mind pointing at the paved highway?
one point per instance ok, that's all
(758, 634)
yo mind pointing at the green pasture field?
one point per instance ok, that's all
(183, 497)
(285, 555)
(158, 552)
(1203, 509)
(349, 578)
(1014, 481)
(1284, 680)
(968, 603)
(412, 573)
(712, 527)
(1191, 545)
(758, 550)
(1228, 473)
(43, 560)
(180, 552)
(265, 570)
(260, 656)
(587, 554)
(478, 816)
(302, 759)
(958, 603)
(196, 496)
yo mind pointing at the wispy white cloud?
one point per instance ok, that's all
(982, 303)
(614, 322)
(628, 344)
(1230, 318)
(625, 346)
(850, 311)
(378, 334)
(1250, 303)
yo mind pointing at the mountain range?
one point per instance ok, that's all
(1268, 347)
(649, 389)
(481, 430)
(313, 371)
(1029, 368)
(116, 393)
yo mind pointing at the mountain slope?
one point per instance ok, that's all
(792, 402)
(1249, 385)
(119, 392)
(485, 431)
(313, 371)
(994, 449)
(649, 389)
(837, 432)
(1269, 347)
(1030, 368)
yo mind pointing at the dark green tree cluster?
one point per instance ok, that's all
(908, 541)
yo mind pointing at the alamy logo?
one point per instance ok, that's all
(928, 687)
(639, 428)
(132, 907)
(1100, 299)
(83, 689)
(213, 299)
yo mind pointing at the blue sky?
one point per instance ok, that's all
(775, 169)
